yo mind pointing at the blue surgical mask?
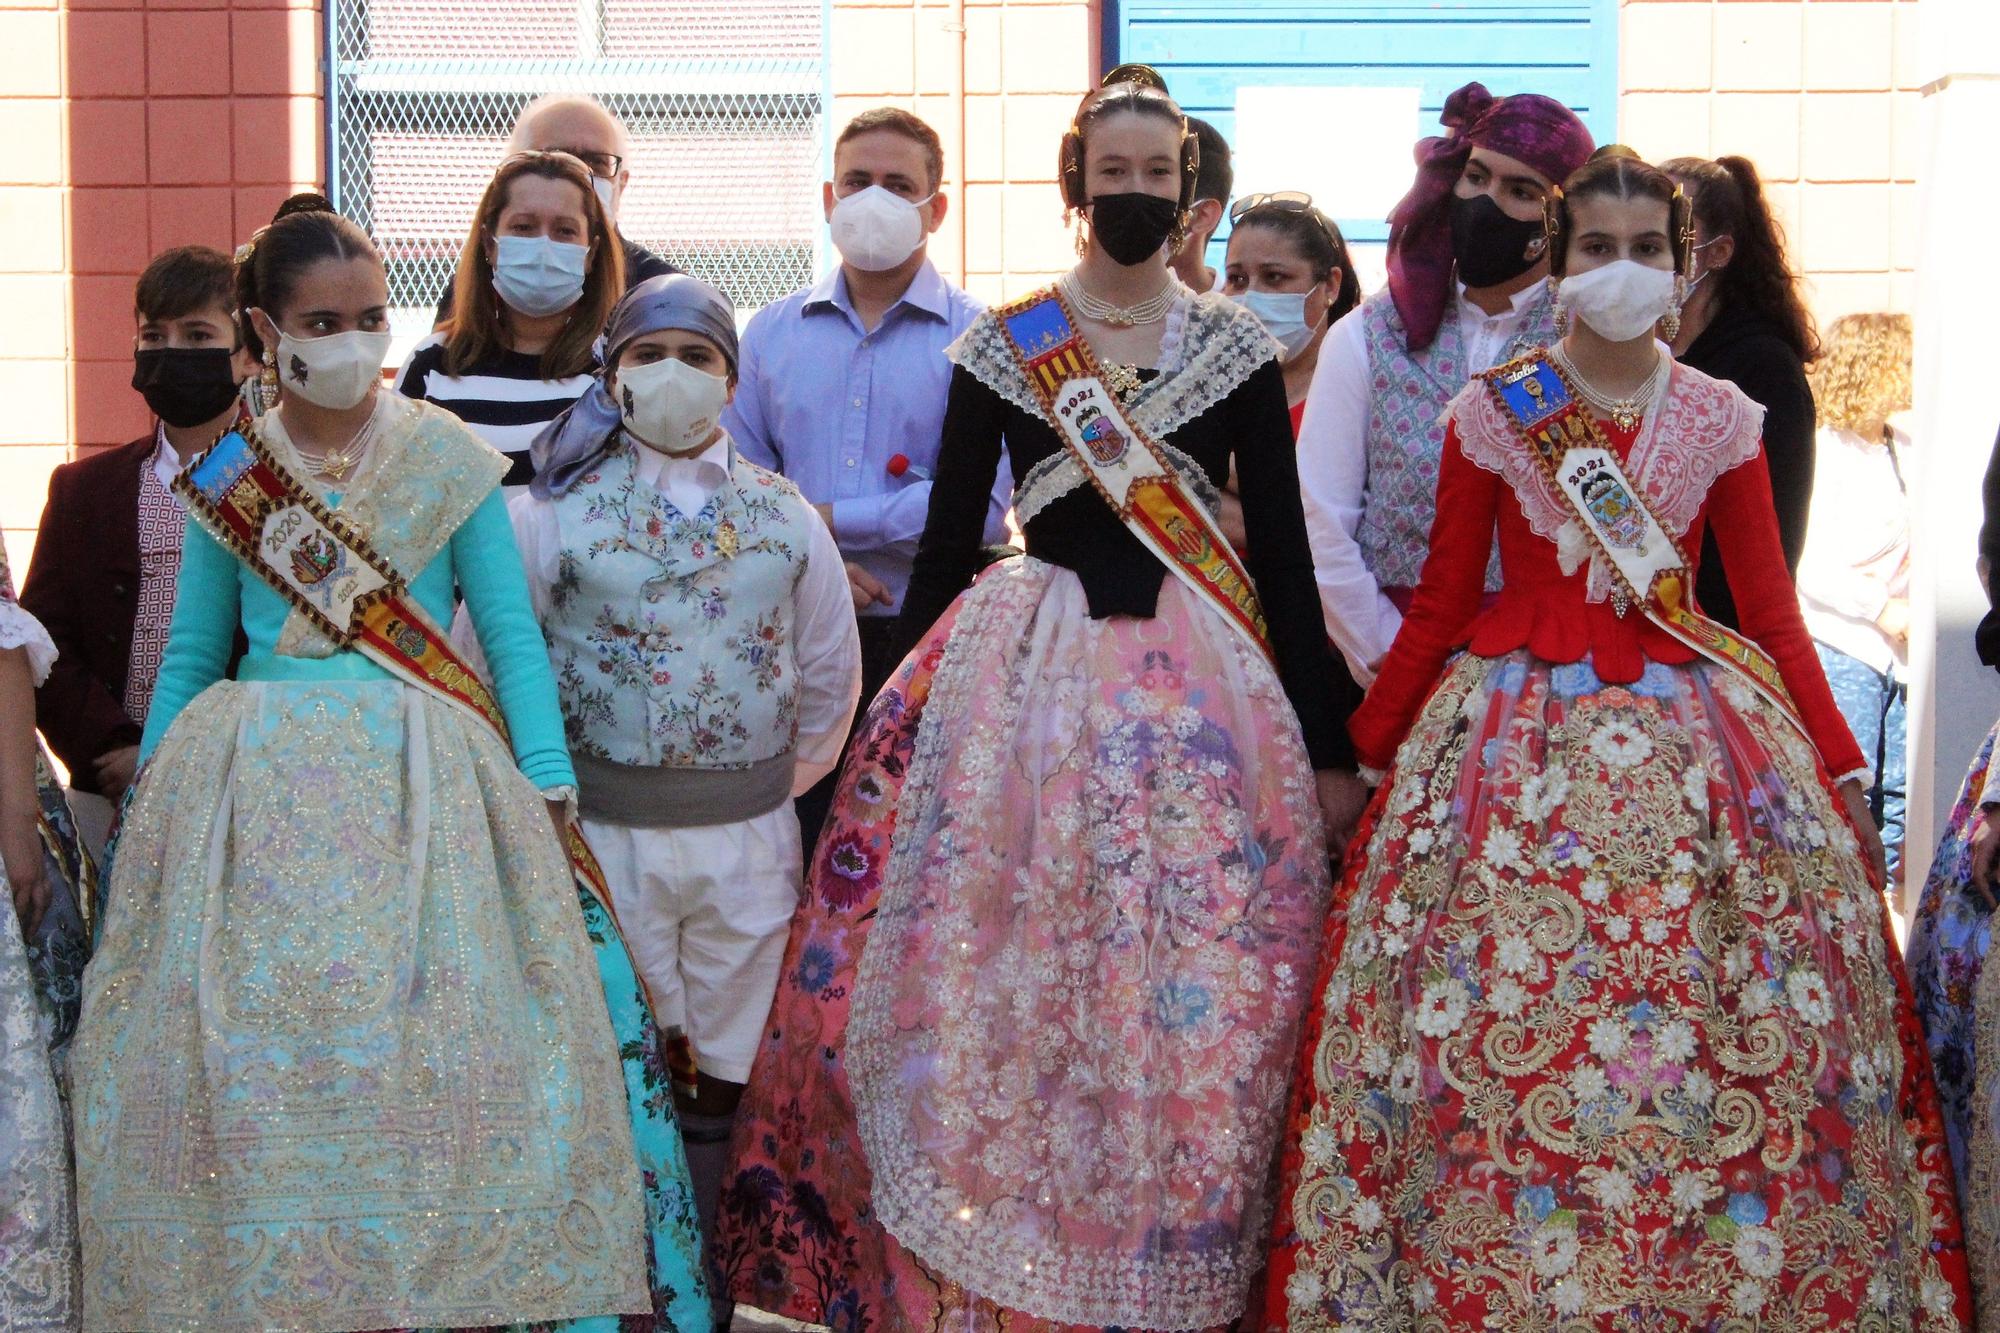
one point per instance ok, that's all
(538, 276)
(1283, 315)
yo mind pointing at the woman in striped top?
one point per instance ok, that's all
(536, 280)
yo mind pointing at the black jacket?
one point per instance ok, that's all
(1747, 350)
(1987, 636)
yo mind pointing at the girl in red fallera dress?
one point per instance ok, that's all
(1611, 1034)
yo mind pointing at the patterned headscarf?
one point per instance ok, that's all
(1537, 130)
(569, 446)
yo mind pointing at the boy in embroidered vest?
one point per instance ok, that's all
(110, 544)
(1467, 268)
(697, 614)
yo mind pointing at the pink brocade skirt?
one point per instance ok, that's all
(1028, 1057)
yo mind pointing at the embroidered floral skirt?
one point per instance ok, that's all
(41, 982)
(1028, 1056)
(345, 1060)
(1958, 1000)
(1613, 1036)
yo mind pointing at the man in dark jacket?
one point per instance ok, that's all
(109, 549)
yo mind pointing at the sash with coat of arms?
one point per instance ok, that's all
(245, 497)
(1123, 463)
(1647, 565)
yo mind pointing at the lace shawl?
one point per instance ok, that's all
(1701, 428)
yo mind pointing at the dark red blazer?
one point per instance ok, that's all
(83, 585)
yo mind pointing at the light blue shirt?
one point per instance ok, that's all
(828, 404)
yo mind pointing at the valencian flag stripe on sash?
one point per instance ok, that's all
(1647, 563)
(1124, 464)
(250, 502)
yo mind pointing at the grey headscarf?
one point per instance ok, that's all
(574, 441)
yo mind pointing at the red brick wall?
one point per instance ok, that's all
(127, 127)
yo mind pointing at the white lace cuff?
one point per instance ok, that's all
(18, 629)
(1372, 776)
(1860, 775)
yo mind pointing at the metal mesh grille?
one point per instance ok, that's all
(722, 98)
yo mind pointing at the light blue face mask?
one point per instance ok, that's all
(1283, 315)
(538, 276)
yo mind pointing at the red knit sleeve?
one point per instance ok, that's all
(1745, 524)
(1446, 600)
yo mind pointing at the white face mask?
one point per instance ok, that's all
(1621, 301)
(875, 230)
(538, 276)
(337, 371)
(1283, 315)
(607, 194)
(670, 405)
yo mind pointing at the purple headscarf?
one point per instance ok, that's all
(1537, 130)
(573, 443)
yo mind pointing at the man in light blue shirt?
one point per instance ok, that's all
(841, 387)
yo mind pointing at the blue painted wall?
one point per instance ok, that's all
(1207, 49)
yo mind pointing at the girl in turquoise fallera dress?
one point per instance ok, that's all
(350, 1056)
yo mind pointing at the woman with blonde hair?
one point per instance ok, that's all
(1854, 578)
(537, 277)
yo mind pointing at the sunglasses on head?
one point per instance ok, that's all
(1282, 201)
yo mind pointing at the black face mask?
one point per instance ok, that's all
(1490, 247)
(1131, 228)
(185, 386)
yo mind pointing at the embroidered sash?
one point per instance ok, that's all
(1646, 562)
(246, 498)
(1124, 464)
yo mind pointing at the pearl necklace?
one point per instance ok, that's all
(1624, 412)
(1149, 311)
(335, 464)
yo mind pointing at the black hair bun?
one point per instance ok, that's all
(308, 202)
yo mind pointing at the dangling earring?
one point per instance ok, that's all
(1671, 325)
(1561, 311)
(1082, 232)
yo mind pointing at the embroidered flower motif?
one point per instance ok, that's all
(1808, 992)
(1690, 1191)
(1320, 1144)
(1304, 1289)
(1553, 1250)
(1612, 1186)
(1367, 1213)
(1675, 1041)
(1759, 1250)
(1746, 1298)
(1508, 996)
(1503, 849)
(1568, 1297)
(1609, 1037)
(1513, 953)
(1595, 890)
(853, 875)
(1443, 1008)
(1617, 929)
(1620, 743)
(1404, 1081)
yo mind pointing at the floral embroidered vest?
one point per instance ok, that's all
(1408, 393)
(672, 634)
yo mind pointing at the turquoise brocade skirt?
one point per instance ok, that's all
(350, 1055)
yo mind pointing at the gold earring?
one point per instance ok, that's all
(1671, 325)
(1082, 233)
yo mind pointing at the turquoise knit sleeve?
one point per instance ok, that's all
(487, 566)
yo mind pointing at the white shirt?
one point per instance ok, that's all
(1857, 555)
(166, 461)
(1333, 470)
(825, 642)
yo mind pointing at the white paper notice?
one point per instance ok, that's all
(1347, 147)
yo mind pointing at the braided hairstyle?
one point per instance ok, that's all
(304, 231)
(1616, 172)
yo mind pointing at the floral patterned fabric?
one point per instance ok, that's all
(1958, 999)
(1613, 1035)
(41, 979)
(1099, 832)
(674, 640)
(345, 1057)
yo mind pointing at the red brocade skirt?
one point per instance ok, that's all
(1612, 1034)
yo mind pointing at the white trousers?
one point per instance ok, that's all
(706, 912)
